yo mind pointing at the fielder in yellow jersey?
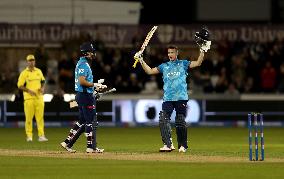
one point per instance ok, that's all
(31, 82)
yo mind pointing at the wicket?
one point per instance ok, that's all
(257, 128)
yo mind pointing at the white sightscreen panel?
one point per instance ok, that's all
(236, 10)
(52, 14)
(108, 12)
(62, 11)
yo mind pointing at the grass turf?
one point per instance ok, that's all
(223, 142)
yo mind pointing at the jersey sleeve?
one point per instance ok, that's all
(186, 64)
(161, 68)
(21, 79)
(42, 77)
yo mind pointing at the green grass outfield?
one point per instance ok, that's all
(133, 153)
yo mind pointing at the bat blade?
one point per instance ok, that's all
(145, 43)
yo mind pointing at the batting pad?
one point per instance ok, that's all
(181, 130)
(165, 128)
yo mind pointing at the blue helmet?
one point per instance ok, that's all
(87, 47)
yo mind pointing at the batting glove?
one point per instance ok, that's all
(99, 86)
(139, 56)
(205, 46)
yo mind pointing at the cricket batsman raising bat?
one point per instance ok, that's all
(144, 45)
(174, 72)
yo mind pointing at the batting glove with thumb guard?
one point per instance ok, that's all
(206, 46)
(99, 86)
(139, 56)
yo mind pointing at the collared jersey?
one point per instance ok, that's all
(174, 77)
(83, 69)
(31, 80)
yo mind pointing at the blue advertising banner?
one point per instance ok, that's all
(136, 112)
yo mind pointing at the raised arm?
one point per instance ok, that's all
(145, 66)
(199, 61)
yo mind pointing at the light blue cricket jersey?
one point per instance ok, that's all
(83, 69)
(174, 77)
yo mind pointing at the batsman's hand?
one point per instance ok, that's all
(139, 56)
(205, 46)
(99, 86)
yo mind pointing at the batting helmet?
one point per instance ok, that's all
(203, 34)
(87, 47)
(202, 37)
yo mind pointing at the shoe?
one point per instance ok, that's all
(68, 149)
(182, 149)
(42, 139)
(99, 150)
(29, 139)
(90, 150)
(173, 147)
(165, 149)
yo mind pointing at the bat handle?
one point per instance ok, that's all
(135, 63)
(137, 58)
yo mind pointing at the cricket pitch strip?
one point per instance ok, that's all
(166, 157)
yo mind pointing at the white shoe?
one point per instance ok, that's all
(173, 147)
(29, 139)
(99, 150)
(165, 149)
(42, 139)
(90, 150)
(68, 149)
(182, 149)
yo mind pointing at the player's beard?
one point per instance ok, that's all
(91, 56)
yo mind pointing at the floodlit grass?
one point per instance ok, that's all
(221, 143)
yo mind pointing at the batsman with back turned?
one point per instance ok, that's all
(84, 87)
(174, 73)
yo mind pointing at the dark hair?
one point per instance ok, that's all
(172, 47)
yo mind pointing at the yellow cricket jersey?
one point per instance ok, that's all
(31, 80)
